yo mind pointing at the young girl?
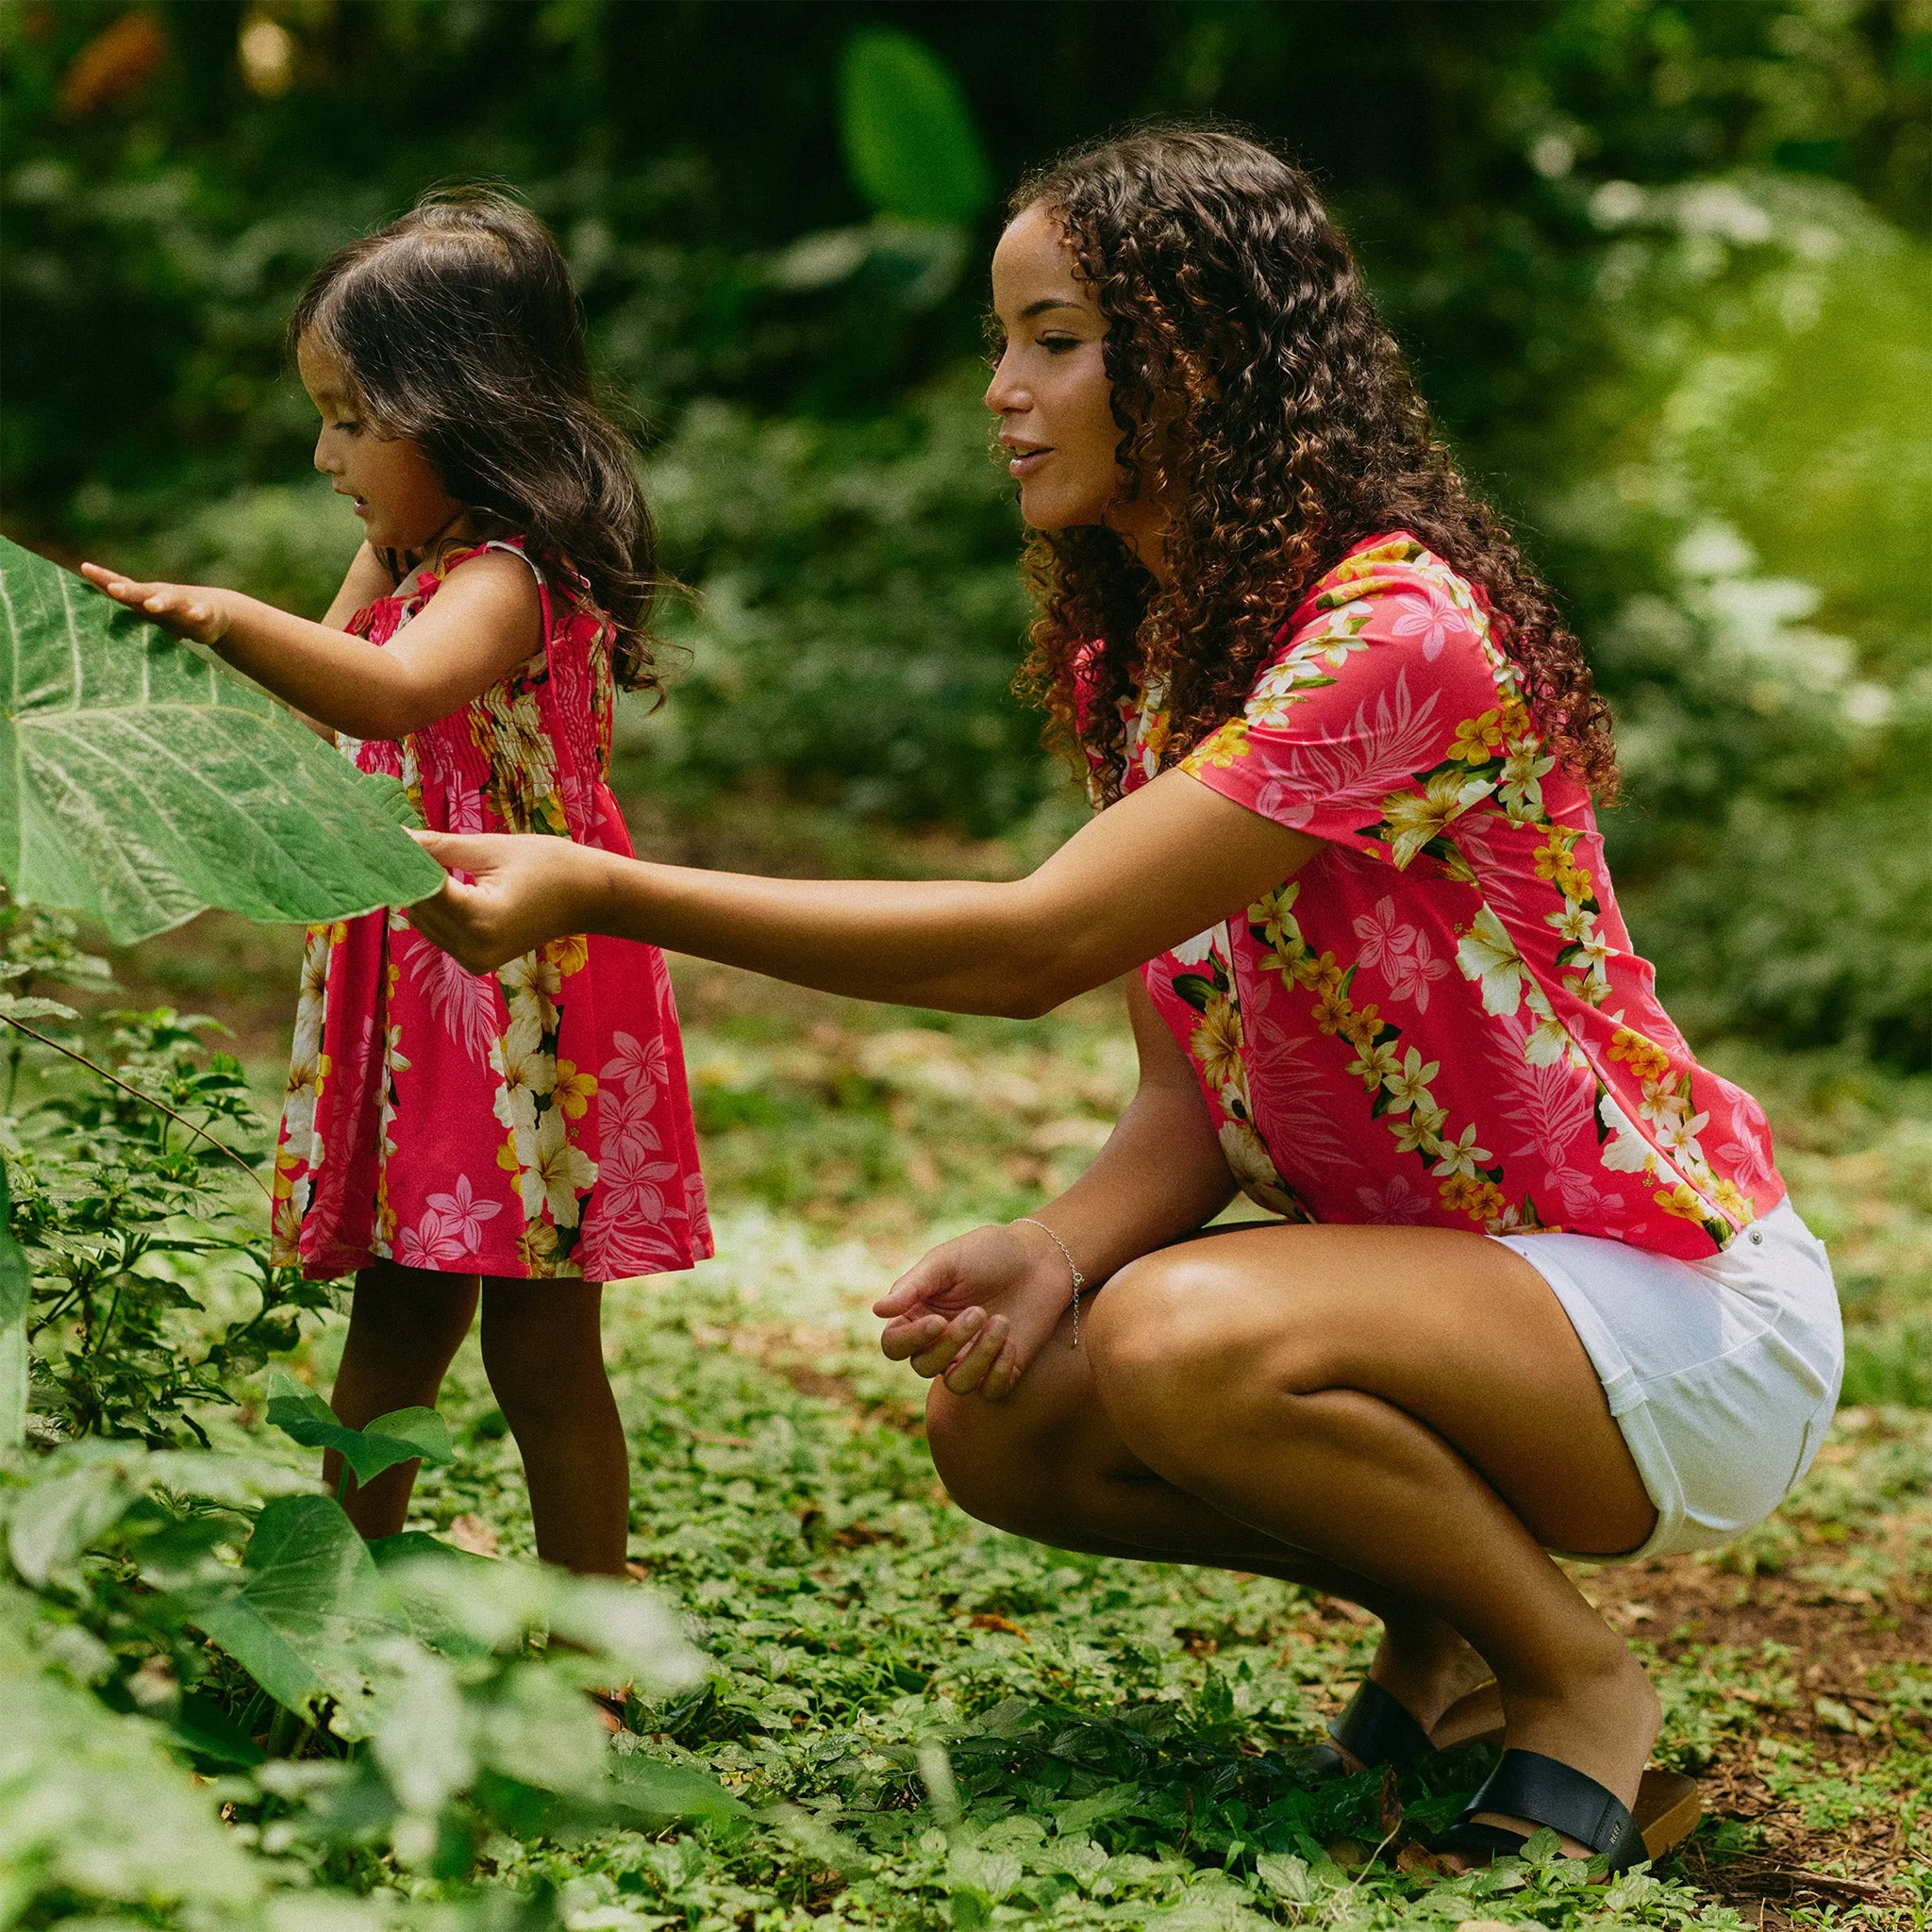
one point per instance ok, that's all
(523, 1134)
(1536, 1284)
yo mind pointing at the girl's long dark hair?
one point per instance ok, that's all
(1255, 386)
(461, 329)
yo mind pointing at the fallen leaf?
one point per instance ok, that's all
(473, 1533)
(987, 1620)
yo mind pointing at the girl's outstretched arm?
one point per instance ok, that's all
(1163, 864)
(483, 623)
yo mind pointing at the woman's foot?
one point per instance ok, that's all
(1442, 1683)
(1602, 1724)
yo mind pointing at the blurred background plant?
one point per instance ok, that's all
(1663, 269)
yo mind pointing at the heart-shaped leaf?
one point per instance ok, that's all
(141, 782)
(402, 1436)
(313, 1594)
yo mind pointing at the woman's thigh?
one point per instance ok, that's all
(1200, 1344)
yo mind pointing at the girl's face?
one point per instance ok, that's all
(398, 494)
(1051, 393)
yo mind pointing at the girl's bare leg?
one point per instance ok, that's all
(1408, 1408)
(405, 1327)
(544, 1349)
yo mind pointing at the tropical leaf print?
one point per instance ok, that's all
(465, 1004)
(1380, 751)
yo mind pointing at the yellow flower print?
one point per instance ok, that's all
(1681, 1202)
(1725, 1191)
(571, 955)
(536, 1247)
(1409, 1088)
(1480, 1200)
(1478, 740)
(285, 1225)
(1644, 1057)
(1413, 817)
(1216, 1044)
(1375, 1064)
(1221, 749)
(1517, 722)
(573, 1089)
(1330, 1012)
(1419, 1131)
(1361, 1026)
(1461, 1155)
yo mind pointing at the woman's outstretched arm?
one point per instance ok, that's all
(1163, 864)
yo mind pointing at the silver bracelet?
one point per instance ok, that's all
(1072, 1267)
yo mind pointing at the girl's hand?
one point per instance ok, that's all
(522, 888)
(184, 611)
(977, 1309)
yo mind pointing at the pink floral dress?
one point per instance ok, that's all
(530, 1122)
(1441, 1019)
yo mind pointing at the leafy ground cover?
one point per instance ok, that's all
(933, 1724)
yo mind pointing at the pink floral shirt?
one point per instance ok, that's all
(1440, 1020)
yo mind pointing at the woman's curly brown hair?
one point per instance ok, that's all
(1257, 388)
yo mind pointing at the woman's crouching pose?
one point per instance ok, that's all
(1534, 1284)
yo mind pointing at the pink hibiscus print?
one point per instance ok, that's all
(638, 1063)
(1400, 952)
(630, 1186)
(1431, 620)
(1397, 1204)
(463, 1214)
(429, 1243)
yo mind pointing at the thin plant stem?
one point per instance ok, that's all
(146, 1099)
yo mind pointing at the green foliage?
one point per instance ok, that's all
(141, 783)
(856, 626)
(419, 1716)
(123, 1202)
(909, 139)
(404, 1436)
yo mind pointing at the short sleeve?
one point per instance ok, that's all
(1385, 714)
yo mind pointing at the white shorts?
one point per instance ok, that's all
(1722, 1374)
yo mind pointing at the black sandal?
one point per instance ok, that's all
(1528, 1784)
(1378, 1729)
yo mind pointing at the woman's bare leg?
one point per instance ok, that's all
(544, 1349)
(1047, 1463)
(1410, 1407)
(405, 1327)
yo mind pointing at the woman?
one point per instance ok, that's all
(1536, 1285)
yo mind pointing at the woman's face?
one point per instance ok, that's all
(1050, 391)
(397, 493)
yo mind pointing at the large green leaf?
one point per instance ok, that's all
(402, 1436)
(910, 138)
(141, 783)
(313, 1596)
